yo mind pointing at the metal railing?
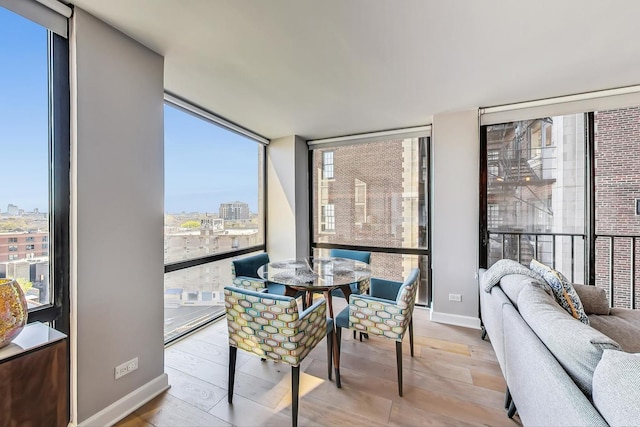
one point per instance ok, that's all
(563, 251)
(615, 258)
(616, 269)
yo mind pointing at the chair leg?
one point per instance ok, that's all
(507, 399)
(483, 333)
(354, 335)
(512, 409)
(399, 363)
(336, 363)
(329, 354)
(295, 393)
(411, 335)
(233, 351)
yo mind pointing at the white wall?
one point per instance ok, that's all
(455, 221)
(117, 187)
(287, 198)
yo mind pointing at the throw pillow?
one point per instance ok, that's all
(615, 387)
(563, 290)
(594, 299)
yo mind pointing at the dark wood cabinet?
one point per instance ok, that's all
(34, 379)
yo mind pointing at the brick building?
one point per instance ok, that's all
(23, 245)
(373, 195)
(617, 187)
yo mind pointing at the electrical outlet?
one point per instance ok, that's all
(126, 368)
(455, 297)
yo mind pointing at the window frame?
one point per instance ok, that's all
(59, 146)
(422, 132)
(169, 267)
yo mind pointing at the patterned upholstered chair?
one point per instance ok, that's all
(358, 256)
(271, 327)
(244, 273)
(349, 254)
(387, 312)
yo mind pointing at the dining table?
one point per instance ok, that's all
(319, 275)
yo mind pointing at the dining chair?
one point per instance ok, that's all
(271, 327)
(387, 312)
(244, 273)
(361, 256)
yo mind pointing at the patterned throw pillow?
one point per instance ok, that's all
(563, 290)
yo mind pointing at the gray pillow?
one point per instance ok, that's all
(576, 346)
(616, 387)
(594, 299)
(562, 289)
(512, 284)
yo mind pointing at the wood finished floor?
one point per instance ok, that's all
(454, 379)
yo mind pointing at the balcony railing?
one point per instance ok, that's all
(616, 268)
(562, 251)
(615, 259)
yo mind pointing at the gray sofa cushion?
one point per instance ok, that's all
(542, 391)
(562, 289)
(622, 325)
(576, 346)
(512, 284)
(616, 388)
(594, 299)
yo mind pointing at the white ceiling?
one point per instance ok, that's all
(323, 68)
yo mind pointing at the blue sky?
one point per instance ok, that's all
(23, 113)
(205, 165)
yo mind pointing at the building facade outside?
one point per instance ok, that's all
(24, 252)
(373, 195)
(234, 211)
(617, 191)
(537, 182)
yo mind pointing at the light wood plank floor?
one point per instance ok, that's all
(454, 379)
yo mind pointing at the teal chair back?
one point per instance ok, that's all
(349, 254)
(244, 272)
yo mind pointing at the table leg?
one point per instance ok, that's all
(336, 343)
(309, 297)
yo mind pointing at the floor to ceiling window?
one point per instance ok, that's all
(372, 195)
(34, 144)
(214, 212)
(535, 192)
(564, 189)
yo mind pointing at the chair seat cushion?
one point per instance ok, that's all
(278, 289)
(342, 319)
(354, 290)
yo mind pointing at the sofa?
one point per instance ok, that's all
(560, 370)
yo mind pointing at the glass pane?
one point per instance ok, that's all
(24, 148)
(617, 207)
(213, 189)
(370, 194)
(396, 267)
(194, 296)
(536, 184)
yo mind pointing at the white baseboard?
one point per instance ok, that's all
(455, 319)
(129, 403)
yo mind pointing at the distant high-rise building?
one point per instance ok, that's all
(12, 209)
(233, 211)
